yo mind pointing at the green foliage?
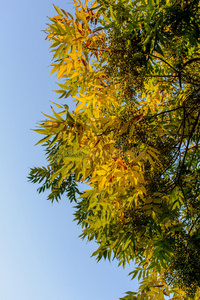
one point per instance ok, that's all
(133, 69)
(184, 269)
(69, 187)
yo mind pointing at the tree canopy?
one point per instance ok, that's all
(132, 67)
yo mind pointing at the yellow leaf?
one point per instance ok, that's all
(101, 183)
(55, 68)
(61, 71)
(90, 68)
(58, 10)
(75, 75)
(79, 107)
(69, 67)
(101, 172)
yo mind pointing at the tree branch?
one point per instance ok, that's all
(164, 112)
(187, 146)
(190, 61)
(157, 57)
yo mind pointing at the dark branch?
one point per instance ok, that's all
(164, 112)
(157, 57)
(187, 146)
(190, 61)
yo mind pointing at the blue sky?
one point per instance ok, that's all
(41, 256)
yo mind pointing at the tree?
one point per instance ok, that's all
(133, 69)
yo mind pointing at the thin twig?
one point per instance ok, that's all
(164, 112)
(165, 62)
(193, 224)
(187, 146)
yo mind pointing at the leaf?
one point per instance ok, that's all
(61, 71)
(98, 29)
(79, 107)
(42, 131)
(58, 105)
(58, 117)
(131, 130)
(44, 139)
(58, 10)
(81, 15)
(124, 128)
(112, 13)
(55, 68)
(69, 67)
(106, 18)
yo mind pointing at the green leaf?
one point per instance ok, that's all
(58, 117)
(42, 131)
(45, 139)
(106, 18)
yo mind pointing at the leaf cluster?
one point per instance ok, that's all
(132, 67)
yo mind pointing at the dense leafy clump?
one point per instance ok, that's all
(184, 268)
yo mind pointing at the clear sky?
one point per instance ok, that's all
(41, 256)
